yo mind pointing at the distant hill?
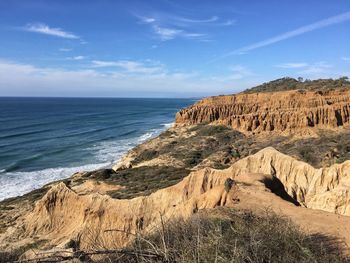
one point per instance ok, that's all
(287, 83)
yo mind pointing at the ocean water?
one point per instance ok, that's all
(46, 139)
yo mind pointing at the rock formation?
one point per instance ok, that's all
(99, 220)
(326, 189)
(285, 111)
(265, 179)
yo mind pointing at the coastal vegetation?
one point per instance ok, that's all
(231, 236)
(220, 235)
(213, 215)
(288, 83)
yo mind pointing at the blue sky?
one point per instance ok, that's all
(167, 48)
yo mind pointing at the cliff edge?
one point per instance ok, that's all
(293, 111)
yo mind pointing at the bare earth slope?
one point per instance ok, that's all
(284, 112)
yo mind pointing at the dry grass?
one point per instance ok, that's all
(233, 237)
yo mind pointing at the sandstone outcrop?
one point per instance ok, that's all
(324, 188)
(98, 220)
(284, 111)
(259, 181)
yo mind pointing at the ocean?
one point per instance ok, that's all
(47, 139)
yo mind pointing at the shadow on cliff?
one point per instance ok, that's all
(276, 187)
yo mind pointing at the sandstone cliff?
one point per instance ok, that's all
(285, 111)
(260, 180)
(325, 188)
(99, 220)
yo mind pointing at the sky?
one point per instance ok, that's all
(167, 48)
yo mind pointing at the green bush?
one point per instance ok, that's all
(293, 84)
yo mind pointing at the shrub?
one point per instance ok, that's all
(293, 84)
(234, 237)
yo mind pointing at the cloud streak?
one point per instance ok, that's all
(51, 31)
(168, 27)
(166, 33)
(308, 69)
(292, 65)
(30, 80)
(77, 58)
(65, 49)
(290, 34)
(130, 66)
(199, 21)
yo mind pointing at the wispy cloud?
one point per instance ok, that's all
(307, 68)
(290, 34)
(239, 72)
(236, 72)
(167, 27)
(130, 66)
(166, 33)
(30, 80)
(145, 20)
(316, 68)
(292, 65)
(345, 58)
(197, 21)
(77, 58)
(65, 49)
(52, 31)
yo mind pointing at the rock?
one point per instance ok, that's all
(122, 166)
(95, 220)
(285, 111)
(326, 188)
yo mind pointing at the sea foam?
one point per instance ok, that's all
(107, 153)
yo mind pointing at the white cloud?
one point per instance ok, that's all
(236, 72)
(46, 30)
(65, 49)
(290, 34)
(199, 21)
(316, 68)
(28, 80)
(345, 58)
(168, 27)
(149, 20)
(292, 65)
(171, 33)
(130, 66)
(145, 19)
(78, 57)
(308, 69)
(239, 72)
(166, 33)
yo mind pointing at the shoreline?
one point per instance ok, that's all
(61, 173)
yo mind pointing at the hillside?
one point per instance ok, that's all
(265, 157)
(256, 183)
(287, 83)
(285, 112)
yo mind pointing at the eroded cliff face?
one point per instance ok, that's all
(93, 219)
(326, 189)
(285, 111)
